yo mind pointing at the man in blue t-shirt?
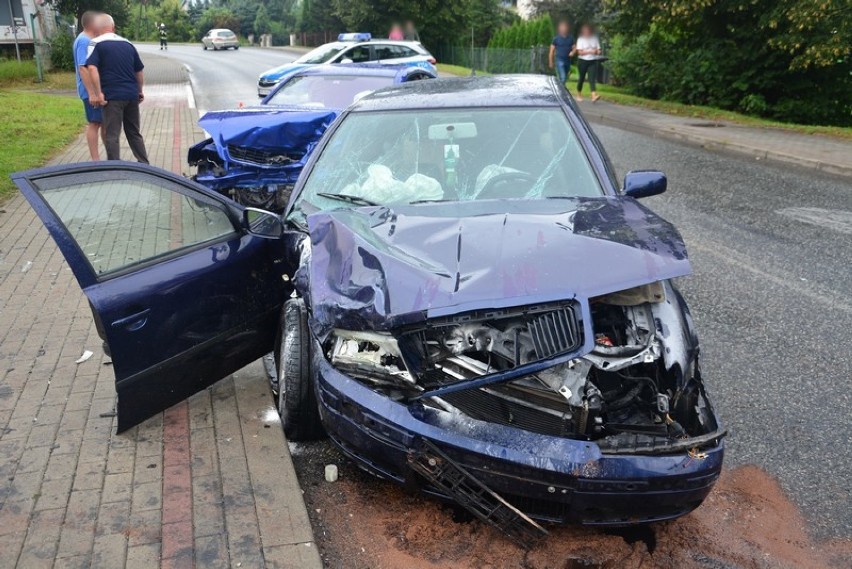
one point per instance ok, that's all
(562, 49)
(94, 115)
(117, 80)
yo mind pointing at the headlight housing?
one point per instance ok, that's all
(368, 355)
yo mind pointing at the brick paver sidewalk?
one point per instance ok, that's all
(208, 483)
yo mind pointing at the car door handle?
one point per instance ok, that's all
(133, 322)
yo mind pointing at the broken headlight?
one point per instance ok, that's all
(372, 356)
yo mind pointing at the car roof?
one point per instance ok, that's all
(360, 69)
(480, 91)
(374, 41)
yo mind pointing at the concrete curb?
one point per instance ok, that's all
(714, 145)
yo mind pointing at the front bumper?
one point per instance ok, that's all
(264, 90)
(549, 478)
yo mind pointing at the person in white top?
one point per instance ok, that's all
(589, 50)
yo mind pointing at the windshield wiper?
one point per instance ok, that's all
(347, 198)
(430, 201)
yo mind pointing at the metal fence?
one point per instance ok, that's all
(502, 60)
(496, 60)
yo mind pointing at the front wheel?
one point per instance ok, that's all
(204, 46)
(297, 402)
(236, 47)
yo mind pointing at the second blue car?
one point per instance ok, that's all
(255, 155)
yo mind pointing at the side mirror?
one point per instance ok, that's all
(263, 223)
(644, 183)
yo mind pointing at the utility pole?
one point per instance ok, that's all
(15, 23)
(37, 49)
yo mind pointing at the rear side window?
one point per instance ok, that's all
(393, 52)
(357, 54)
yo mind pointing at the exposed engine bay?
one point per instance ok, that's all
(244, 183)
(639, 386)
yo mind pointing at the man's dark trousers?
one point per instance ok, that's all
(116, 115)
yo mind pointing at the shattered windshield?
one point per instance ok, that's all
(322, 54)
(418, 156)
(327, 91)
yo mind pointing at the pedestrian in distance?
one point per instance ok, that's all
(409, 33)
(562, 49)
(117, 82)
(164, 36)
(396, 33)
(589, 51)
(94, 115)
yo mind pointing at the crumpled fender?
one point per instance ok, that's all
(267, 129)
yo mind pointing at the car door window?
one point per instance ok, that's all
(357, 54)
(123, 221)
(385, 52)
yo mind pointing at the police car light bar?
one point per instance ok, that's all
(362, 36)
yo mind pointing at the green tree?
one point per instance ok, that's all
(777, 58)
(218, 18)
(176, 19)
(319, 16)
(118, 9)
(262, 24)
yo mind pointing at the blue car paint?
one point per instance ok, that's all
(215, 307)
(400, 73)
(281, 130)
(275, 129)
(289, 69)
(384, 266)
(173, 325)
(550, 478)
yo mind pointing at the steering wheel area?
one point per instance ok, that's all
(502, 186)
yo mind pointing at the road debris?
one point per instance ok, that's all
(86, 355)
(331, 473)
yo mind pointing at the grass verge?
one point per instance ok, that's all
(457, 70)
(35, 126)
(621, 97)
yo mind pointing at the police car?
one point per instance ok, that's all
(351, 48)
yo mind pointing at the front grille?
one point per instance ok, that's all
(554, 333)
(263, 157)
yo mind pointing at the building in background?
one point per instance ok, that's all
(15, 21)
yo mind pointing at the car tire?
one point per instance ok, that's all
(297, 402)
(236, 47)
(204, 47)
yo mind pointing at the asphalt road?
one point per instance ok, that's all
(224, 79)
(772, 253)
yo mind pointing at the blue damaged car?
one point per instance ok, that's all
(255, 155)
(459, 294)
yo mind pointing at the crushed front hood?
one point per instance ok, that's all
(277, 130)
(378, 267)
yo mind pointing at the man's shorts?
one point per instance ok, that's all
(93, 114)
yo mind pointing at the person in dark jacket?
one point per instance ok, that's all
(117, 81)
(561, 51)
